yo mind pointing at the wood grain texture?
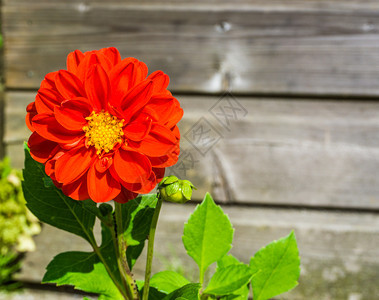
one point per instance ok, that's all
(338, 250)
(277, 152)
(273, 47)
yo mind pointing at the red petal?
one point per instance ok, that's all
(138, 129)
(89, 59)
(50, 165)
(176, 132)
(159, 173)
(104, 164)
(49, 81)
(148, 185)
(49, 168)
(166, 108)
(160, 141)
(102, 187)
(136, 98)
(140, 188)
(97, 87)
(73, 61)
(160, 162)
(41, 149)
(112, 54)
(163, 161)
(49, 128)
(72, 113)
(104, 61)
(131, 166)
(143, 188)
(142, 71)
(78, 190)
(46, 100)
(125, 76)
(69, 85)
(166, 160)
(31, 112)
(73, 164)
(120, 77)
(125, 196)
(161, 81)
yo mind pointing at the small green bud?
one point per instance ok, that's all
(175, 190)
(105, 209)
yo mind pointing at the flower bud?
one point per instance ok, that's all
(175, 190)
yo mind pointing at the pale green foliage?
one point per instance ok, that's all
(17, 224)
(241, 293)
(229, 279)
(168, 281)
(9, 264)
(189, 292)
(227, 260)
(208, 234)
(279, 268)
(207, 238)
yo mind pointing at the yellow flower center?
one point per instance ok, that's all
(103, 131)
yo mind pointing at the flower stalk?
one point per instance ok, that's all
(126, 276)
(150, 248)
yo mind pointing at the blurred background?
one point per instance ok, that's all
(281, 122)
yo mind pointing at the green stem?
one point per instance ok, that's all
(127, 279)
(150, 248)
(95, 248)
(201, 279)
(120, 288)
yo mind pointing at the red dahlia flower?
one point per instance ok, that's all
(104, 129)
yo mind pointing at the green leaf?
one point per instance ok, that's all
(187, 190)
(51, 206)
(279, 266)
(172, 188)
(243, 292)
(168, 281)
(188, 292)
(229, 279)
(227, 260)
(85, 271)
(108, 251)
(170, 179)
(208, 234)
(154, 294)
(137, 215)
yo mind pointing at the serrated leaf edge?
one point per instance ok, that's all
(291, 235)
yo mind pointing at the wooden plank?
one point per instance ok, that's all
(339, 253)
(282, 152)
(297, 47)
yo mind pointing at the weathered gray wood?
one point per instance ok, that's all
(304, 47)
(338, 250)
(287, 152)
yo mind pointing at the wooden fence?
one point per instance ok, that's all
(287, 91)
